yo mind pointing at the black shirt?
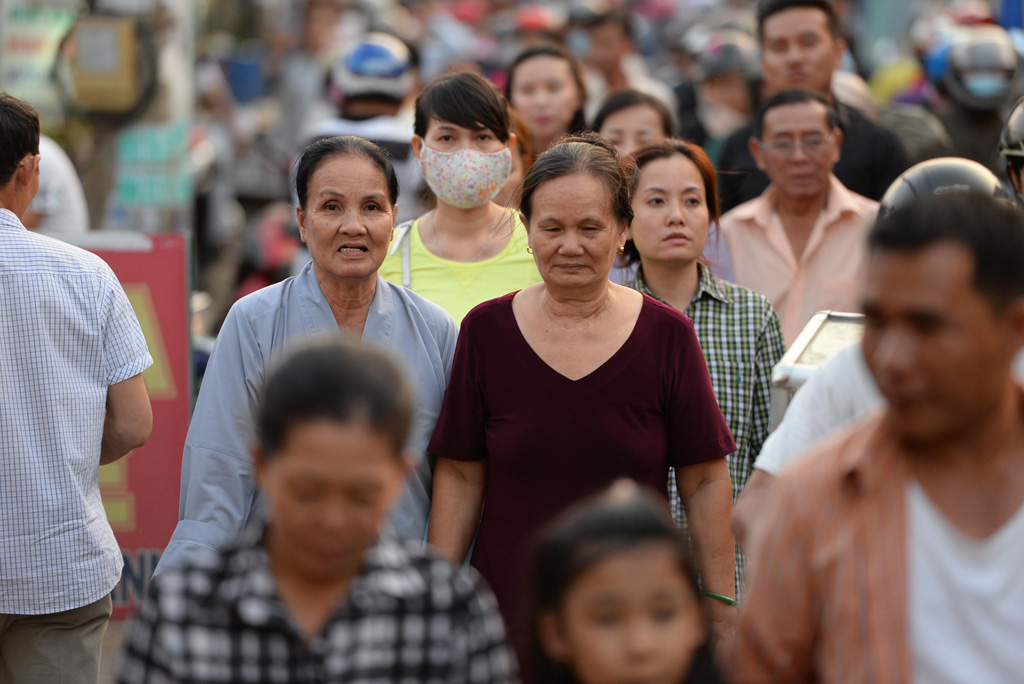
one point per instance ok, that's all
(870, 159)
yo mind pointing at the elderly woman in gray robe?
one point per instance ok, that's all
(347, 192)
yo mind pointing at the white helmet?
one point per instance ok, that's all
(378, 65)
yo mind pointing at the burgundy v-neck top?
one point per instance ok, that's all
(550, 441)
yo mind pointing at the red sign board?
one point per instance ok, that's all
(140, 492)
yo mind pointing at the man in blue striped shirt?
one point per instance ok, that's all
(72, 398)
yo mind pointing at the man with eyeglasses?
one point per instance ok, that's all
(801, 243)
(801, 47)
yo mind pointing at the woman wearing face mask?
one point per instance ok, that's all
(545, 85)
(674, 204)
(469, 249)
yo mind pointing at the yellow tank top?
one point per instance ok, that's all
(457, 286)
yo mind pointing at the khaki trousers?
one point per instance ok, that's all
(57, 648)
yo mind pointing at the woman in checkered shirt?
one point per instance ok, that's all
(674, 205)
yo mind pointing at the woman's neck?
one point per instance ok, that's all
(673, 283)
(577, 304)
(467, 235)
(349, 299)
(466, 223)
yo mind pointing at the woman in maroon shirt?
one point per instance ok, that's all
(562, 388)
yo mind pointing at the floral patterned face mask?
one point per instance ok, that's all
(467, 178)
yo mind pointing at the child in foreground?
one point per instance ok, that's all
(615, 598)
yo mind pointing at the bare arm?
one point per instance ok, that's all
(751, 499)
(128, 421)
(706, 492)
(456, 504)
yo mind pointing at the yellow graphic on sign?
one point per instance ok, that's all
(159, 378)
(118, 499)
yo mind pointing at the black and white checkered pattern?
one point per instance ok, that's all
(408, 618)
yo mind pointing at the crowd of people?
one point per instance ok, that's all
(494, 426)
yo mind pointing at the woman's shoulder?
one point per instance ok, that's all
(267, 300)
(744, 302)
(740, 294)
(490, 310)
(406, 238)
(660, 315)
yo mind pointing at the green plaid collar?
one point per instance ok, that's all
(707, 286)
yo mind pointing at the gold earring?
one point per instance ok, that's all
(529, 249)
(621, 250)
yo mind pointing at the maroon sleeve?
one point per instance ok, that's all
(697, 431)
(459, 433)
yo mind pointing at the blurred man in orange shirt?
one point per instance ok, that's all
(894, 550)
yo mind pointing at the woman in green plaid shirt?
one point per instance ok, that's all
(674, 203)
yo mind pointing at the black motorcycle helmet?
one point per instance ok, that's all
(940, 177)
(1011, 142)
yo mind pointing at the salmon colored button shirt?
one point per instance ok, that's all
(826, 276)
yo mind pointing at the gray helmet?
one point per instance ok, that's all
(940, 177)
(982, 64)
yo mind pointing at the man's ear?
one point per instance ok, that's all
(841, 48)
(27, 168)
(838, 133)
(757, 152)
